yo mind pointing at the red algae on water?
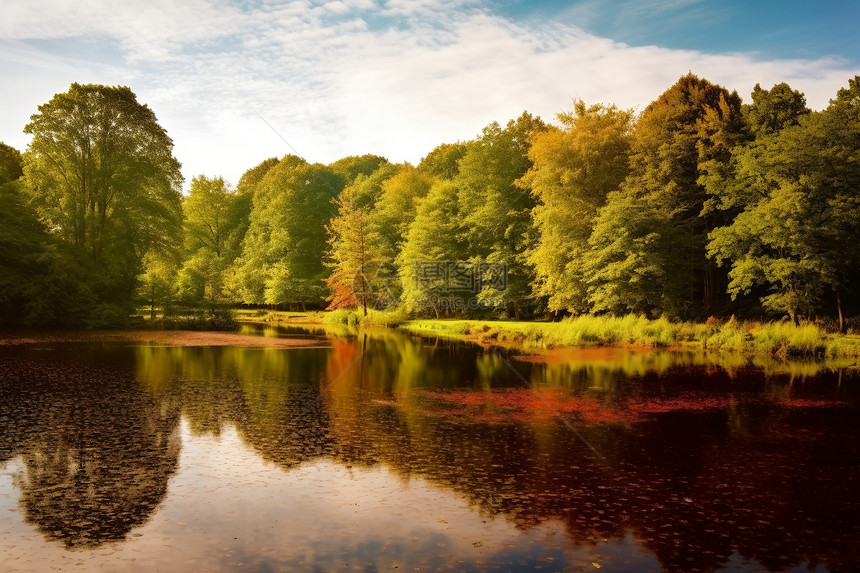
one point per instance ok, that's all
(533, 406)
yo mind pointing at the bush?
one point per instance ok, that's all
(221, 319)
(107, 315)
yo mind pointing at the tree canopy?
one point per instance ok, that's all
(699, 205)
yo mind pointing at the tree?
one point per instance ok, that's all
(434, 238)
(631, 251)
(211, 223)
(444, 161)
(350, 168)
(773, 110)
(396, 207)
(799, 228)
(282, 257)
(11, 164)
(690, 128)
(495, 213)
(101, 175)
(354, 252)
(360, 263)
(574, 169)
(157, 286)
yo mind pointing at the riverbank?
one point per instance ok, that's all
(779, 339)
(157, 337)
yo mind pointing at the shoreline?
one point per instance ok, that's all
(183, 338)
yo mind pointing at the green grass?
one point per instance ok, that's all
(355, 318)
(779, 339)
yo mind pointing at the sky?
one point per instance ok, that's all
(237, 81)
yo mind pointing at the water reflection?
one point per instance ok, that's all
(97, 450)
(697, 465)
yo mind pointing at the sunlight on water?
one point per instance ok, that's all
(389, 452)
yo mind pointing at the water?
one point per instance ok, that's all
(385, 452)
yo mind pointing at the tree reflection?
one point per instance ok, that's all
(696, 461)
(98, 450)
(717, 461)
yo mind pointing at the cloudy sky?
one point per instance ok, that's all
(237, 81)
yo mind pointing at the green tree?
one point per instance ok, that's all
(11, 164)
(495, 213)
(101, 175)
(631, 251)
(444, 161)
(800, 225)
(157, 286)
(350, 168)
(574, 169)
(355, 256)
(691, 127)
(282, 258)
(240, 213)
(396, 207)
(434, 238)
(211, 223)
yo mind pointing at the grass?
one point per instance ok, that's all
(779, 339)
(355, 318)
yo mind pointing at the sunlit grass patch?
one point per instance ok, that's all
(780, 339)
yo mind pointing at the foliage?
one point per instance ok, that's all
(575, 168)
(434, 236)
(355, 255)
(215, 217)
(689, 128)
(698, 207)
(444, 161)
(282, 258)
(351, 168)
(11, 164)
(798, 231)
(101, 176)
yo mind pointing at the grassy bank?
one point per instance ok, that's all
(777, 339)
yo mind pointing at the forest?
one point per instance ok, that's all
(698, 206)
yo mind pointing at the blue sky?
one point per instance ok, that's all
(770, 29)
(397, 77)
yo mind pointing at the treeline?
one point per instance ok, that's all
(698, 206)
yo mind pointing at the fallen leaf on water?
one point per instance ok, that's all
(596, 565)
(478, 544)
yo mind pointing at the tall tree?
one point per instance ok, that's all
(495, 212)
(101, 175)
(11, 163)
(211, 222)
(800, 224)
(355, 257)
(692, 125)
(444, 161)
(574, 169)
(434, 239)
(282, 258)
(396, 207)
(350, 168)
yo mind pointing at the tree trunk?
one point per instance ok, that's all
(839, 310)
(152, 305)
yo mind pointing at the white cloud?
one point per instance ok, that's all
(333, 81)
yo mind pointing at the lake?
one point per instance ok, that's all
(383, 451)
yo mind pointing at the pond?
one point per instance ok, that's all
(382, 451)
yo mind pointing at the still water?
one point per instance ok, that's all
(381, 452)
